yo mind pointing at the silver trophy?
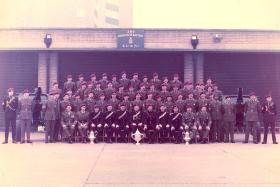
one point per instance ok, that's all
(137, 136)
(92, 137)
(186, 137)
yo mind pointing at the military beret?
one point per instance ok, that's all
(102, 94)
(83, 105)
(121, 86)
(25, 91)
(98, 83)
(53, 92)
(122, 104)
(268, 95)
(69, 76)
(114, 75)
(114, 93)
(125, 95)
(145, 76)
(81, 75)
(135, 73)
(84, 83)
(252, 94)
(123, 73)
(155, 74)
(164, 77)
(68, 104)
(66, 94)
(176, 75)
(228, 96)
(202, 93)
(96, 106)
(54, 83)
(141, 85)
(104, 74)
(93, 75)
(109, 104)
(164, 84)
(77, 95)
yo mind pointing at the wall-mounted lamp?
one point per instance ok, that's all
(194, 41)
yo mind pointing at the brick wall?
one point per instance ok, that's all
(232, 40)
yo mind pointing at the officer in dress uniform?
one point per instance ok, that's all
(150, 125)
(102, 103)
(98, 91)
(269, 117)
(25, 115)
(97, 123)
(122, 123)
(149, 101)
(189, 122)
(163, 126)
(90, 102)
(68, 122)
(175, 120)
(181, 103)
(126, 102)
(83, 123)
(137, 119)
(252, 113)
(69, 84)
(204, 124)
(109, 122)
(229, 118)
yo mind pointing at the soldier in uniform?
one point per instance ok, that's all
(131, 93)
(153, 91)
(269, 118)
(124, 81)
(109, 123)
(252, 111)
(126, 102)
(203, 101)
(93, 80)
(122, 123)
(104, 81)
(163, 126)
(25, 113)
(218, 92)
(102, 103)
(142, 92)
(90, 102)
(175, 92)
(135, 82)
(64, 103)
(175, 121)
(187, 89)
(80, 81)
(191, 102)
(98, 91)
(180, 103)
(76, 103)
(169, 104)
(82, 90)
(68, 122)
(83, 122)
(10, 105)
(137, 119)
(176, 82)
(164, 92)
(150, 125)
(115, 82)
(149, 101)
(51, 116)
(229, 118)
(165, 81)
(121, 92)
(138, 101)
(56, 89)
(156, 81)
(145, 81)
(189, 122)
(204, 124)
(88, 90)
(209, 84)
(96, 121)
(216, 130)
(114, 101)
(109, 91)
(69, 84)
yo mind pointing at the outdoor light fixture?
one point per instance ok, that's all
(48, 40)
(217, 38)
(194, 41)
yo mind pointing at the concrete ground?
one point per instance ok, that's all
(60, 164)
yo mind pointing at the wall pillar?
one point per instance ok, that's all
(188, 68)
(42, 71)
(53, 68)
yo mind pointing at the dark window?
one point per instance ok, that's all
(112, 21)
(112, 7)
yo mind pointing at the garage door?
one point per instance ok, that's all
(166, 64)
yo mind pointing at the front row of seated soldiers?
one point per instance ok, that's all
(122, 123)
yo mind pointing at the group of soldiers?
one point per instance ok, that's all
(164, 110)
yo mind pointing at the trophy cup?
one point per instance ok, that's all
(137, 136)
(92, 137)
(186, 137)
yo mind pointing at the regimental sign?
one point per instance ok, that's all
(130, 39)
